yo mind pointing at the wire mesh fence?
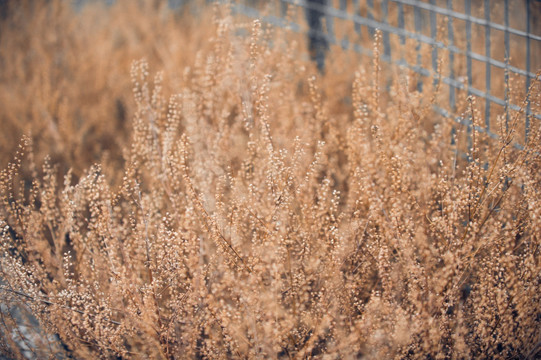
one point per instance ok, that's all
(483, 44)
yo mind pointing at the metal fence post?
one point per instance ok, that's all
(318, 43)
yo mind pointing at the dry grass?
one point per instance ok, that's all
(237, 205)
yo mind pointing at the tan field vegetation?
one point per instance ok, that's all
(187, 185)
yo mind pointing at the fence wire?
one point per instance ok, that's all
(485, 44)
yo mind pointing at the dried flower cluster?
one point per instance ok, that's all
(252, 209)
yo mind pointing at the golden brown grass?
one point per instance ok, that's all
(230, 203)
